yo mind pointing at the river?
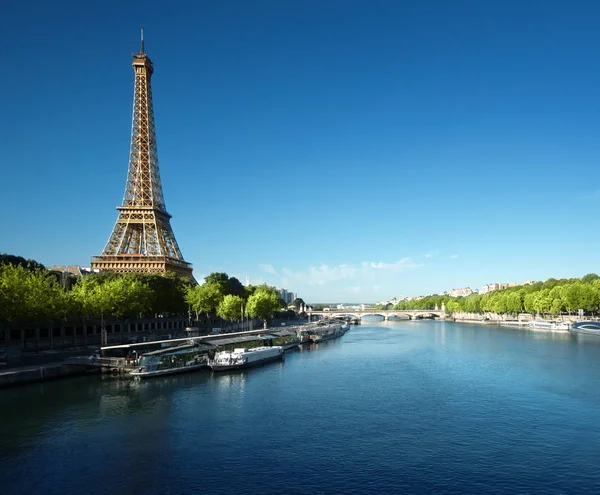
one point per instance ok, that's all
(391, 407)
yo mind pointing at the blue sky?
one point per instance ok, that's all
(346, 150)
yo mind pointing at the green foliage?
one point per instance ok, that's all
(167, 292)
(121, 297)
(263, 303)
(230, 307)
(227, 285)
(205, 298)
(217, 278)
(298, 302)
(29, 295)
(11, 259)
(554, 296)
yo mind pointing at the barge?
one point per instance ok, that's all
(172, 360)
(245, 358)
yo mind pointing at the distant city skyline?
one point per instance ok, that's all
(350, 151)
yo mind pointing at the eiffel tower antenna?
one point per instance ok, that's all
(142, 240)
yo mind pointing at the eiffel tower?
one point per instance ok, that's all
(142, 240)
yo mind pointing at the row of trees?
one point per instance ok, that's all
(230, 300)
(30, 294)
(554, 297)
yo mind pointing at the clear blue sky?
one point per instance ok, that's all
(346, 150)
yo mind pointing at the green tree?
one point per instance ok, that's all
(262, 304)
(235, 288)
(29, 295)
(168, 292)
(120, 297)
(228, 285)
(219, 278)
(11, 259)
(514, 302)
(452, 306)
(230, 308)
(204, 298)
(529, 302)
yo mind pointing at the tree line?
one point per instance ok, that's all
(30, 294)
(552, 297)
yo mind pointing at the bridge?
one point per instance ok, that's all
(384, 313)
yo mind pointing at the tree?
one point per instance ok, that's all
(235, 288)
(120, 297)
(204, 298)
(514, 303)
(11, 259)
(228, 285)
(168, 292)
(29, 295)
(230, 307)
(219, 278)
(262, 304)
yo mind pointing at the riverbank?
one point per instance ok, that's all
(54, 364)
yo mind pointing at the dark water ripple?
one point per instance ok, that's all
(405, 407)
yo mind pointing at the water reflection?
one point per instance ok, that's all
(227, 380)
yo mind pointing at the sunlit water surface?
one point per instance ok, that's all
(396, 407)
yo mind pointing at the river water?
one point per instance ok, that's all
(391, 407)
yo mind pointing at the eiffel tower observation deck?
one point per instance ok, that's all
(142, 240)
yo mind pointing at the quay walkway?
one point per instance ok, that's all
(37, 373)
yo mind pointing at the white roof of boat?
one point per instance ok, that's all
(169, 350)
(233, 340)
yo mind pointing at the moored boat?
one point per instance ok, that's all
(587, 327)
(244, 358)
(552, 325)
(514, 323)
(321, 334)
(287, 338)
(172, 360)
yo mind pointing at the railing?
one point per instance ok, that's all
(140, 257)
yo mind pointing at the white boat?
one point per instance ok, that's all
(514, 323)
(169, 361)
(245, 358)
(588, 327)
(549, 325)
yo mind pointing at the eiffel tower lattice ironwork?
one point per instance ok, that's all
(142, 240)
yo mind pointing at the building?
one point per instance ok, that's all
(288, 297)
(283, 294)
(73, 269)
(460, 292)
(496, 286)
(142, 240)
